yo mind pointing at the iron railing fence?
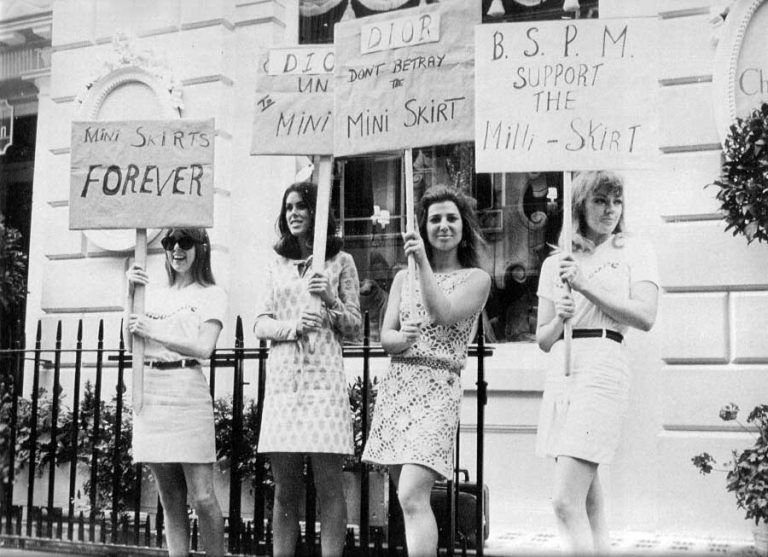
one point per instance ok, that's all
(40, 435)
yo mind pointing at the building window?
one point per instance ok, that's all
(520, 217)
(317, 17)
(520, 213)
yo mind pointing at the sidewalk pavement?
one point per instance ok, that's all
(541, 544)
(622, 543)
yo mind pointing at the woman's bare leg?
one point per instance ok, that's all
(573, 478)
(288, 471)
(414, 487)
(596, 516)
(172, 487)
(202, 497)
(328, 470)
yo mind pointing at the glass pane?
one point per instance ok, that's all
(520, 217)
(372, 224)
(521, 231)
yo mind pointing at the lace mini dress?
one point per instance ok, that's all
(418, 401)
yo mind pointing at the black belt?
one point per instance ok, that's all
(596, 333)
(190, 362)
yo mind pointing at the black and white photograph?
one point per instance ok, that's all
(414, 278)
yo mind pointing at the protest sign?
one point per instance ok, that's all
(294, 102)
(404, 79)
(566, 95)
(294, 116)
(141, 174)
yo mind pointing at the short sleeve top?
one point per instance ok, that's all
(182, 310)
(615, 265)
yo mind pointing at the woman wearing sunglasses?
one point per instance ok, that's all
(173, 433)
(306, 405)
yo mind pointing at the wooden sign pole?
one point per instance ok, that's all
(568, 246)
(137, 365)
(409, 227)
(325, 165)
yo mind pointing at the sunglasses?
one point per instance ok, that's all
(185, 242)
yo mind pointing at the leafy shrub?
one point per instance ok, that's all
(747, 470)
(743, 181)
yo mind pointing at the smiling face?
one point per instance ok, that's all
(444, 226)
(180, 259)
(602, 211)
(297, 215)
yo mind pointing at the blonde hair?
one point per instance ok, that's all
(583, 184)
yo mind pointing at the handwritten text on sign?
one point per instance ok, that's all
(141, 174)
(403, 31)
(565, 95)
(402, 79)
(294, 102)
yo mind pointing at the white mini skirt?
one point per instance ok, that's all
(176, 421)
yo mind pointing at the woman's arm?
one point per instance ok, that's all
(200, 346)
(550, 319)
(134, 275)
(269, 328)
(638, 310)
(344, 311)
(396, 337)
(446, 309)
(466, 300)
(266, 326)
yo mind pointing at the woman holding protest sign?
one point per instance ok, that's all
(607, 285)
(174, 432)
(306, 406)
(417, 405)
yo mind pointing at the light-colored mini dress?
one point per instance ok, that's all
(176, 422)
(306, 400)
(418, 401)
(581, 416)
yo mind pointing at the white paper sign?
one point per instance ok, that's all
(404, 79)
(294, 102)
(411, 30)
(570, 95)
(141, 174)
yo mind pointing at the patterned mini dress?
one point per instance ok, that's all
(306, 402)
(417, 405)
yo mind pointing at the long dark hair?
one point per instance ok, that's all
(471, 237)
(201, 266)
(288, 244)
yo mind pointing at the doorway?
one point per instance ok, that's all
(16, 176)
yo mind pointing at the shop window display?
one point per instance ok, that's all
(520, 217)
(317, 17)
(520, 213)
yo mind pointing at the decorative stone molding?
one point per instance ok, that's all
(127, 64)
(729, 50)
(128, 67)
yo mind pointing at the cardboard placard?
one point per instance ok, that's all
(566, 95)
(403, 78)
(294, 102)
(141, 174)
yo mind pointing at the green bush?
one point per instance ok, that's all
(748, 470)
(13, 266)
(743, 181)
(248, 465)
